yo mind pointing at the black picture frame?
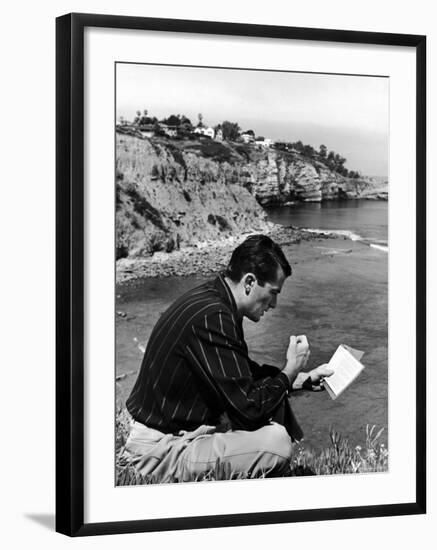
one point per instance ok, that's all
(70, 273)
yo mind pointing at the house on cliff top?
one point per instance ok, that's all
(169, 130)
(247, 137)
(205, 131)
(264, 143)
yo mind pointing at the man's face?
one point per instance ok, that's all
(261, 298)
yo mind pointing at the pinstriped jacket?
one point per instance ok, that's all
(196, 367)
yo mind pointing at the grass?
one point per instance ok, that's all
(340, 458)
(337, 458)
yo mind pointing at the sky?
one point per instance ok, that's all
(347, 113)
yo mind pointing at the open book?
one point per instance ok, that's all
(346, 366)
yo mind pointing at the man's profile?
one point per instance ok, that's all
(196, 371)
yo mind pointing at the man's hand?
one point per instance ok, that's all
(297, 356)
(318, 374)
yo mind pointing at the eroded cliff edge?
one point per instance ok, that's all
(176, 193)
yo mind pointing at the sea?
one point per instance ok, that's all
(358, 220)
(337, 294)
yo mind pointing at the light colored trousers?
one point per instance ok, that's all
(191, 455)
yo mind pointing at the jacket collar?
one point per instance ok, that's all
(225, 293)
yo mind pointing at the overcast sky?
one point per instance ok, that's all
(348, 114)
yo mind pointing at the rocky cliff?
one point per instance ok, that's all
(278, 177)
(173, 193)
(169, 196)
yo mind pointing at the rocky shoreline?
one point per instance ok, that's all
(205, 258)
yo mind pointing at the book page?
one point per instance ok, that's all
(346, 368)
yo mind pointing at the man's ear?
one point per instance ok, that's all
(248, 280)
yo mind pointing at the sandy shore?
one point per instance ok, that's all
(205, 258)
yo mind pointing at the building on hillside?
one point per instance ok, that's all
(204, 131)
(247, 138)
(264, 143)
(147, 130)
(169, 130)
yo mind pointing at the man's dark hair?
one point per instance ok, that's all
(259, 255)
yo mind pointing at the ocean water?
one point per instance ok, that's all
(339, 294)
(362, 220)
(336, 295)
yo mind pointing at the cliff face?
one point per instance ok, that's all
(281, 177)
(167, 198)
(173, 193)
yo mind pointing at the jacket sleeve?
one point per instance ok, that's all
(220, 359)
(262, 371)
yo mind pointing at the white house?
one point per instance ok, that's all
(147, 130)
(247, 138)
(170, 131)
(265, 143)
(202, 130)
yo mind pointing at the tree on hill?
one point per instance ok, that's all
(339, 161)
(200, 123)
(331, 160)
(231, 130)
(353, 174)
(185, 121)
(185, 127)
(298, 145)
(145, 119)
(172, 120)
(308, 151)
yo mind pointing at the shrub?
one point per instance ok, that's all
(144, 208)
(222, 222)
(215, 150)
(123, 235)
(177, 155)
(121, 251)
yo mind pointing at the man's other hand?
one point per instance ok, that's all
(298, 353)
(318, 374)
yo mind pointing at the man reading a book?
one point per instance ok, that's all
(199, 397)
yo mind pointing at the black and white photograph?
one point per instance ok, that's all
(251, 276)
(218, 275)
